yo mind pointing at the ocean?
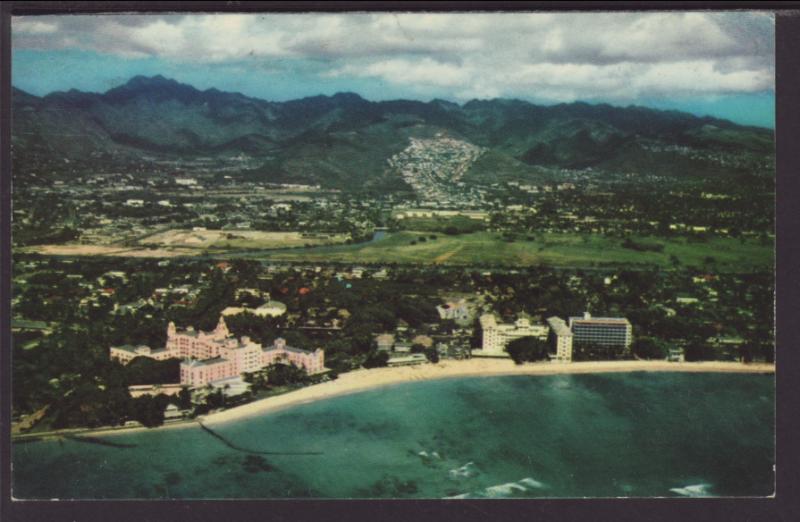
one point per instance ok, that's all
(560, 436)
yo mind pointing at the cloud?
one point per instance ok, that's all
(407, 72)
(34, 26)
(546, 55)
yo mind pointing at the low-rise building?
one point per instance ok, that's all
(138, 390)
(676, 355)
(408, 360)
(268, 309)
(423, 340)
(402, 347)
(455, 310)
(385, 342)
(127, 353)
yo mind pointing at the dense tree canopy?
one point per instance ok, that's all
(527, 349)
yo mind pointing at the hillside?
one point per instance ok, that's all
(344, 141)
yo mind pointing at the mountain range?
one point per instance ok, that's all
(344, 140)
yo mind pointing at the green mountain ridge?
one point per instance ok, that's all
(344, 140)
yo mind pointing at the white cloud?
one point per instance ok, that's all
(34, 26)
(546, 55)
(663, 34)
(700, 77)
(407, 72)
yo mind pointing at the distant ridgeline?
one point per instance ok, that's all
(346, 142)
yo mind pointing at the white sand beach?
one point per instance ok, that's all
(361, 380)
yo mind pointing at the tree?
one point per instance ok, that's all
(417, 348)
(215, 399)
(432, 355)
(527, 349)
(698, 351)
(184, 398)
(590, 351)
(286, 374)
(476, 339)
(144, 370)
(149, 410)
(376, 360)
(451, 231)
(648, 348)
(246, 271)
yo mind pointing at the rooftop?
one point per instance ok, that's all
(414, 357)
(205, 362)
(587, 318)
(280, 346)
(139, 349)
(488, 320)
(559, 326)
(272, 306)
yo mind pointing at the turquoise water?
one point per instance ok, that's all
(605, 435)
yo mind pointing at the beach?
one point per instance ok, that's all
(362, 380)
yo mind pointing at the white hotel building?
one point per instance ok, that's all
(561, 337)
(497, 335)
(607, 331)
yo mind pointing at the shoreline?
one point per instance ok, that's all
(365, 380)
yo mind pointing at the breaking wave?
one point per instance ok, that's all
(509, 489)
(466, 471)
(432, 455)
(694, 490)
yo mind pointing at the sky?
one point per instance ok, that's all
(707, 63)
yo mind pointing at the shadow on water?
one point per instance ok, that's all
(101, 442)
(253, 452)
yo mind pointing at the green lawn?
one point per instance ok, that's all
(574, 250)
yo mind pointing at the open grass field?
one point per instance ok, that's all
(235, 239)
(472, 249)
(105, 250)
(462, 224)
(574, 250)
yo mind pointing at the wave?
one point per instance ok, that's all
(532, 483)
(508, 489)
(432, 455)
(504, 490)
(466, 471)
(694, 490)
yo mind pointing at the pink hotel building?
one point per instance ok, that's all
(216, 355)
